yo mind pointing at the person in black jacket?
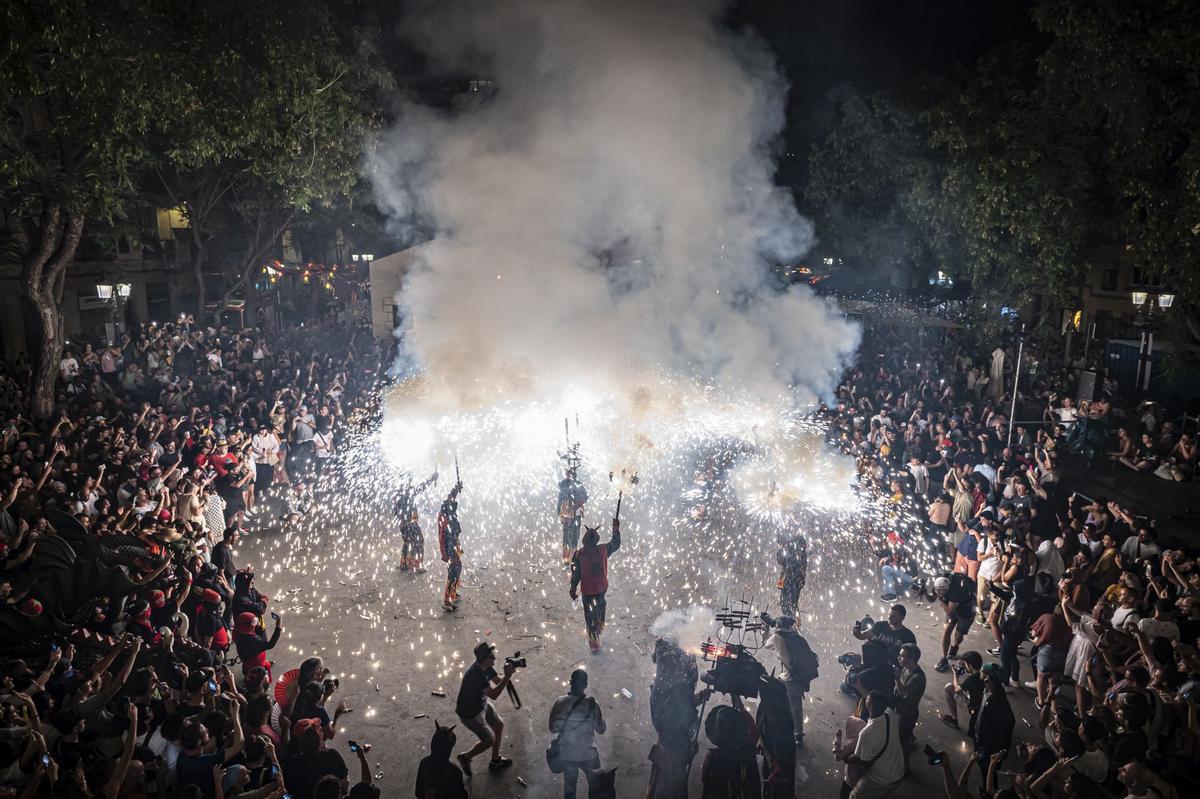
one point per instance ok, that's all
(994, 728)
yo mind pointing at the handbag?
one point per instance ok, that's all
(553, 752)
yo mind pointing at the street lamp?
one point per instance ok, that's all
(1145, 321)
(114, 297)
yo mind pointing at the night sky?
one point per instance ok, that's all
(823, 46)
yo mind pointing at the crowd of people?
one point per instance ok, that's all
(137, 652)
(138, 655)
(1084, 612)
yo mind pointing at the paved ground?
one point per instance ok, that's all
(384, 632)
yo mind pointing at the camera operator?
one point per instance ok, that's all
(892, 632)
(956, 593)
(798, 669)
(576, 718)
(480, 682)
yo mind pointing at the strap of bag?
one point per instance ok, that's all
(887, 739)
(571, 710)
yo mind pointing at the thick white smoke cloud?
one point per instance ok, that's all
(609, 210)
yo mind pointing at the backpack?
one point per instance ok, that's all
(802, 658)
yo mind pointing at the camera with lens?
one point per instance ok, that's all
(515, 660)
(735, 671)
(767, 619)
(865, 623)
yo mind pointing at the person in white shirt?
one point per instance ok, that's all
(264, 448)
(878, 751)
(1140, 546)
(920, 475)
(1162, 625)
(1049, 560)
(68, 367)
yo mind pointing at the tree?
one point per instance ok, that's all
(875, 179)
(1127, 75)
(1019, 182)
(274, 106)
(79, 85)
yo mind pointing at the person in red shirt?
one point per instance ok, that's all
(589, 573)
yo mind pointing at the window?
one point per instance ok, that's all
(1145, 276)
(1110, 279)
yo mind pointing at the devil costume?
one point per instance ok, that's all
(792, 557)
(450, 546)
(572, 496)
(412, 552)
(589, 574)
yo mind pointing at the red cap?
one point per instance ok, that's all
(245, 623)
(31, 607)
(157, 599)
(211, 596)
(304, 725)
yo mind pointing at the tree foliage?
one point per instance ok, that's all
(79, 87)
(1017, 174)
(247, 114)
(876, 181)
(273, 106)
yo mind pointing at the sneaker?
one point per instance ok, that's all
(446, 606)
(499, 763)
(942, 665)
(888, 597)
(420, 571)
(994, 651)
(464, 763)
(1031, 684)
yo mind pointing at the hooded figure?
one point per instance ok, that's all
(673, 714)
(437, 776)
(589, 573)
(246, 598)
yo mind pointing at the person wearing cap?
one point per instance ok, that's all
(995, 722)
(210, 626)
(481, 683)
(252, 643)
(798, 668)
(576, 719)
(956, 594)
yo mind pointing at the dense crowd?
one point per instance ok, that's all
(1081, 606)
(138, 655)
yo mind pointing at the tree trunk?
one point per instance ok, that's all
(42, 278)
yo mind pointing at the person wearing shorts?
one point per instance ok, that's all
(481, 683)
(1052, 638)
(956, 593)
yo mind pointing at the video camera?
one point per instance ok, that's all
(516, 661)
(735, 671)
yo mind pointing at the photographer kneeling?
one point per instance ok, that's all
(480, 683)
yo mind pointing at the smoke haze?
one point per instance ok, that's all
(609, 210)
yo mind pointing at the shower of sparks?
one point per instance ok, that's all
(710, 481)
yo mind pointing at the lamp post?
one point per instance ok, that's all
(114, 297)
(1145, 322)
